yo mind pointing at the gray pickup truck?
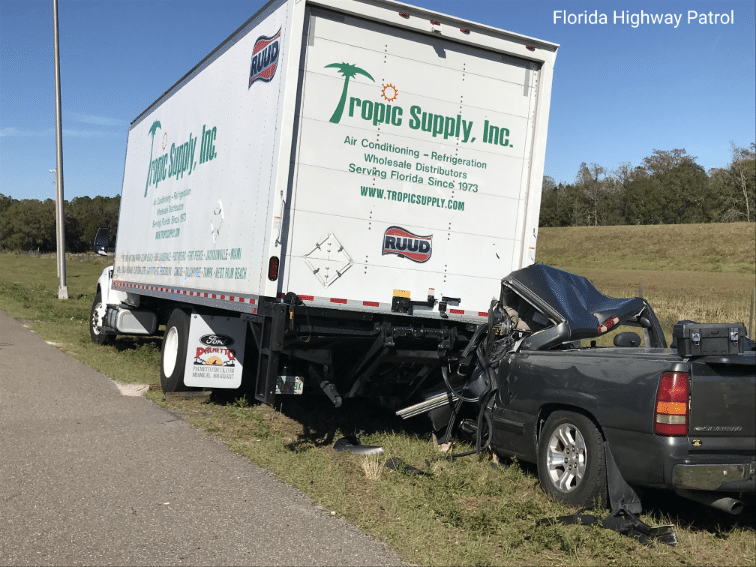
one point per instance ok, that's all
(544, 392)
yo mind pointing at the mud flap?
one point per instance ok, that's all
(625, 504)
(621, 496)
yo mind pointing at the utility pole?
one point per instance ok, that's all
(59, 218)
(57, 260)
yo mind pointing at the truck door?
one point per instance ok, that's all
(412, 163)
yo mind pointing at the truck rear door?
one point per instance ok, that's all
(412, 166)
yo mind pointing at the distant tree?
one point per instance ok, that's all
(88, 214)
(669, 188)
(663, 161)
(601, 195)
(5, 203)
(29, 225)
(548, 183)
(548, 203)
(624, 173)
(743, 168)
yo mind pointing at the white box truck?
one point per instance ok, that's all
(329, 200)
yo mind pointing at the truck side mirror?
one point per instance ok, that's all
(102, 238)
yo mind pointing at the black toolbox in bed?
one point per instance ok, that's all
(709, 339)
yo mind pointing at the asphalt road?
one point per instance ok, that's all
(91, 477)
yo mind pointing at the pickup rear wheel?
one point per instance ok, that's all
(571, 464)
(173, 352)
(98, 336)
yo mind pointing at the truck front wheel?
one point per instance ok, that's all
(173, 352)
(571, 464)
(98, 336)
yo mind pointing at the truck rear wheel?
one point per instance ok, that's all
(173, 352)
(98, 336)
(571, 463)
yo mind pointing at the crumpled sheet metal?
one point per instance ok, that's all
(574, 298)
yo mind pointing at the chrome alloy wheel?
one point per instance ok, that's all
(566, 457)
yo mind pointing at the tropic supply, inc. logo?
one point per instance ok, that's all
(392, 114)
(265, 58)
(399, 241)
(179, 159)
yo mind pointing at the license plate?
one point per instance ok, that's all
(289, 385)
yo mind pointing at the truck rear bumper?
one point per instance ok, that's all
(718, 477)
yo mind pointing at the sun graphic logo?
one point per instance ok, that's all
(389, 92)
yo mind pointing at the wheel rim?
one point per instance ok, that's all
(566, 458)
(170, 351)
(96, 319)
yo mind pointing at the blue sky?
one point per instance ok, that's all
(619, 91)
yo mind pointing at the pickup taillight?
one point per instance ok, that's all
(672, 407)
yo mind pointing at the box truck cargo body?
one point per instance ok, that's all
(332, 172)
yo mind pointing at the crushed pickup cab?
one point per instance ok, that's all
(547, 392)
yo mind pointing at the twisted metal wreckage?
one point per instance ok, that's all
(530, 390)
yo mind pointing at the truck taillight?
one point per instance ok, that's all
(273, 268)
(608, 324)
(671, 415)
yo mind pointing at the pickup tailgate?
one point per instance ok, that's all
(723, 396)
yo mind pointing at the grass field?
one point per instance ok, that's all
(468, 511)
(700, 272)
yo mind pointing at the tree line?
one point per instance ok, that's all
(29, 224)
(669, 187)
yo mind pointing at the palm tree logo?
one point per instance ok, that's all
(153, 129)
(349, 71)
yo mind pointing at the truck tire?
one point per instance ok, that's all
(173, 352)
(95, 333)
(571, 463)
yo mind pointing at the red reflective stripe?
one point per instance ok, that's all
(307, 298)
(482, 313)
(457, 311)
(337, 300)
(371, 303)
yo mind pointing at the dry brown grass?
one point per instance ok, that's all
(373, 467)
(703, 273)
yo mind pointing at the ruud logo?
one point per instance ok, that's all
(264, 58)
(401, 242)
(217, 340)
